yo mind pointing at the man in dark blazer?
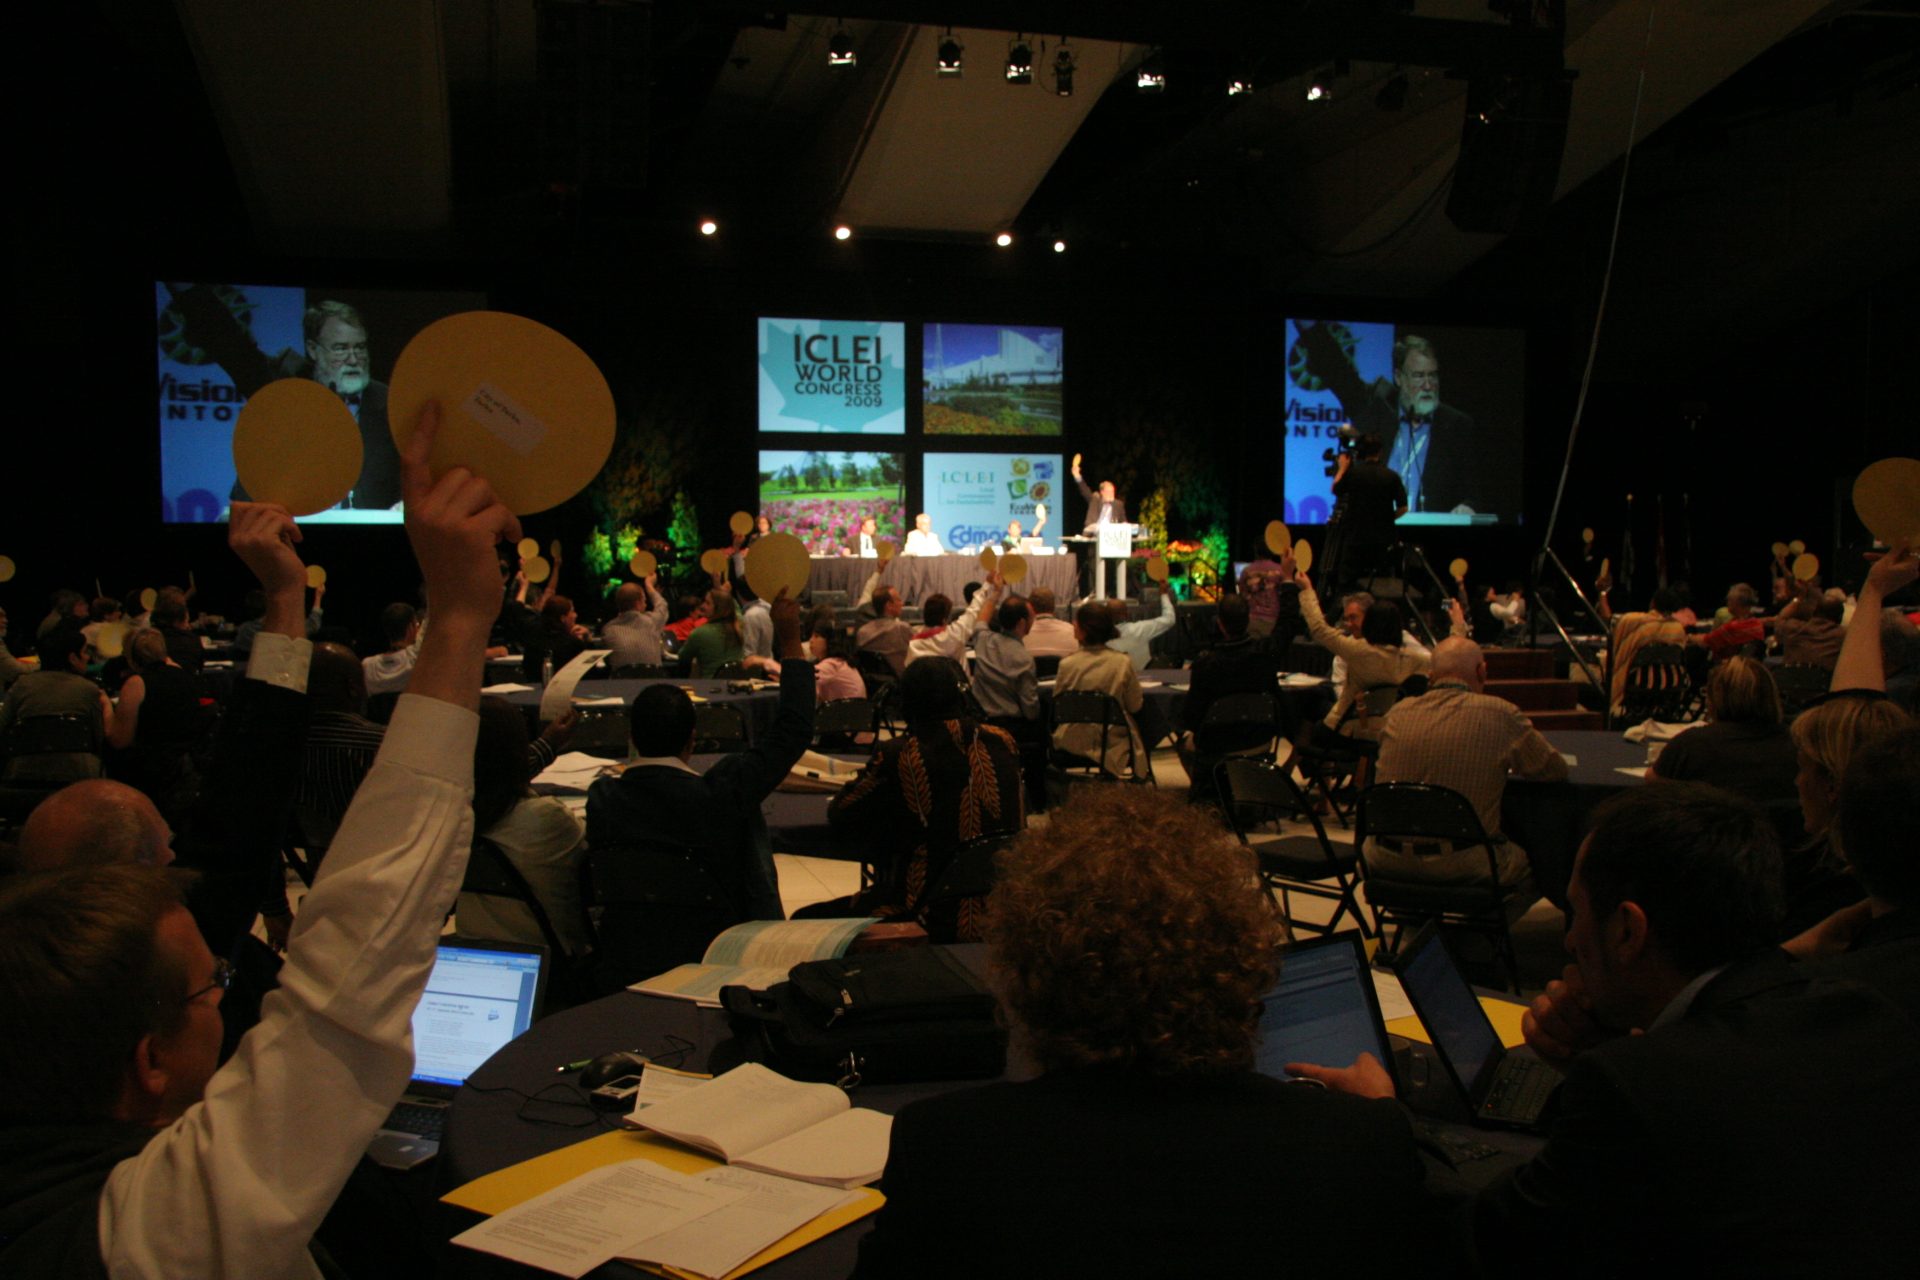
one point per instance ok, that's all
(1724, 1111)
(1104, 508)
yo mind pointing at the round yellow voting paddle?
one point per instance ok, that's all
(520, 405)
(528, 548)
(316, 576)
(714, 561)
(6, 569)
(1586, 535)
(1457, 570)
(1157, 568)
(553, 550)
(1302, 555)
(1013, 568)
(1806, 567)
(536, 568)
(741, 523)
(1797, 547)
(1779, 551)
(776, 561)
(147, 599)
(1886, 497)
(643, 564)
(111, 640)
(886, 550)
(1278, 538)
(989, 559)
(296, 443)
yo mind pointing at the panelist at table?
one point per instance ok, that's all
(922, 540)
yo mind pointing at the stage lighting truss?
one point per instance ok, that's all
(840, 52)
(1019, 60)
(948, 55)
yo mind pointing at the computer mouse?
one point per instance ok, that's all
(611, 1066)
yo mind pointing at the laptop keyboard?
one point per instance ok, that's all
(1521, 1090)
(412, 1117)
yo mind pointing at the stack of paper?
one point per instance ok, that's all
(756, 954)
(757, 1119)
(573, 771)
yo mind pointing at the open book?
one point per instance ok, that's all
(757, 1119)
(815, 772)
(756, 954)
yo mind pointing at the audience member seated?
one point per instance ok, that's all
(1353, 615)
(1096, 668)
(170, 620)
(1900, 658)
(388, 672)
(1238, 662)
(68, 607)
(543, 841)
(1006, 687)
(11, 668)
(1268, 588)
(94, 823)
(693, 613)
(634, 632)
(943, 635)
(1131, 946)
(104, 610)
(1049, 636)
(1456, 736)
(125, 1152)
(756, 627)
(1826, 738)
(1721, 1104)
(1633, 632)
(1738, 629)
(341, 746)
(1810, 630)
(156, 726)
(1744, 747)
(833, 676)
(1376, 657)
(717, 812)
(1135, 639)
(886, 635)
(58, 688)
(716, 642)
(565, 636)
(946, 781)
(1509, 609)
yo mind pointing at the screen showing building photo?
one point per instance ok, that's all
(991, 380)
(843, 376)
(974, 498)
(217, 344)
(822, 497)
(1447, 403)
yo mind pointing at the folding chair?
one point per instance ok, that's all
(718, 726)
(1290, 864)
(837, 725)
(1428, 821)
(491, 874)
(971, 873)
(1046, 666)
(1801, 684)
(1658, 686)
(660, 907)
(1238, 724)
(730, 671)
(1335, 762)
(43, 754)
(1085, 706)
(601, 731)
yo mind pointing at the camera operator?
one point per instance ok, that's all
(1369, 497)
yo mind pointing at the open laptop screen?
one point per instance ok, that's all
(1323, 1010)
(480, 996)
(1460, 1028)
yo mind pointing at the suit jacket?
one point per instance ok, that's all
(717, 812)
(1108, 1171)
(1768, 1131)
(1118, 516)
(1886, 957)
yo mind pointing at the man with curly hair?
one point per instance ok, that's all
(1131, 946)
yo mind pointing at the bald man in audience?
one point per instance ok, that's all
(94, 823)
(1456, 736)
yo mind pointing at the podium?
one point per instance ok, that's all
(1112, 543)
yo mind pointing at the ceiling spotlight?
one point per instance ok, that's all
(1393, 94)
(1059, 246)
(1152, 76)
(1019, 61)
(1004, 239)
(946, 57)
(708, 227)
(1320, 88)
(1063, 70)
(843, 232)
(840, 50)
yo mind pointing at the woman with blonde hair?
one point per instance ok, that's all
(1744, 747)
(1131, 944)
(1825, 738)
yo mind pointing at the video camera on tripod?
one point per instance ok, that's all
(1346, 441)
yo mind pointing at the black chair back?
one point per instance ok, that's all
(1309, 658)
(1658, 686)
(972, 873)
(842, 719)
(718, 726)
(1237, 722)
(1418, 811)
(639, 671)
(52, 735)
(1257, 793)
(729, 671)
(491, 874)
(601, 731)
(1046, 666)
(1801, 685)
(1087, 706)
(660, 907)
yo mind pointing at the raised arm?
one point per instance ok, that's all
(1860, 664)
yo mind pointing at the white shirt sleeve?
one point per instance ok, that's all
(237, 1185)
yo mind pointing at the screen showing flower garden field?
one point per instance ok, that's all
(824, 497)
(991, 380)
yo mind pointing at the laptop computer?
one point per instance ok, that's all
(1323, 1010)
(1503, 1090)
(481, 995)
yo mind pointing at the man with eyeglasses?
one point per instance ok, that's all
(1427, 442)
(126, 1148)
